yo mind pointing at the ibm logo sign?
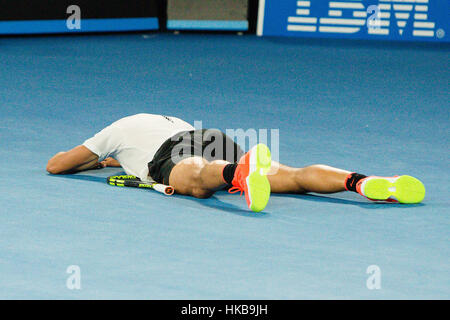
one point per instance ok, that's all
(351, 16)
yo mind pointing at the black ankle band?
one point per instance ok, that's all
(352, 180)
(228, 172)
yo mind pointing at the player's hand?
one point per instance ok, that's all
(109, 162)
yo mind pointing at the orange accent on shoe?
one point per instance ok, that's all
(233, 190)
(250, 177)
(358, 187)
(239, 181)
(346, 179)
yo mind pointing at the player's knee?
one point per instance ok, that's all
(196, 167)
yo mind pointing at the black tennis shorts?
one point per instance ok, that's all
(211, 144)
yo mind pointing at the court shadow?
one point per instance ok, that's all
(81, 177)
(212, 202)
(215, 203)
(360, 203)
(86, 177)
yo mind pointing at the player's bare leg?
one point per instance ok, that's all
(315, 178)
(326, 179)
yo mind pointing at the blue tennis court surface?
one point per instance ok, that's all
(375, 108)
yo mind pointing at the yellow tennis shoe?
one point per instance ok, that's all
(403, 189)
(250, 177)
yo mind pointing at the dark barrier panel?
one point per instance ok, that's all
(55, 16)
(207, 14)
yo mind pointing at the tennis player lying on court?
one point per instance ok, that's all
(198, 162)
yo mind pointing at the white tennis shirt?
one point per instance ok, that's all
(134, 140)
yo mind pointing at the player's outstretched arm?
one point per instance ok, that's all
(78, 159)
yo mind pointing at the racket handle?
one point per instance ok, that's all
(167, 190)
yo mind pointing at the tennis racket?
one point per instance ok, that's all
(135, 182)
